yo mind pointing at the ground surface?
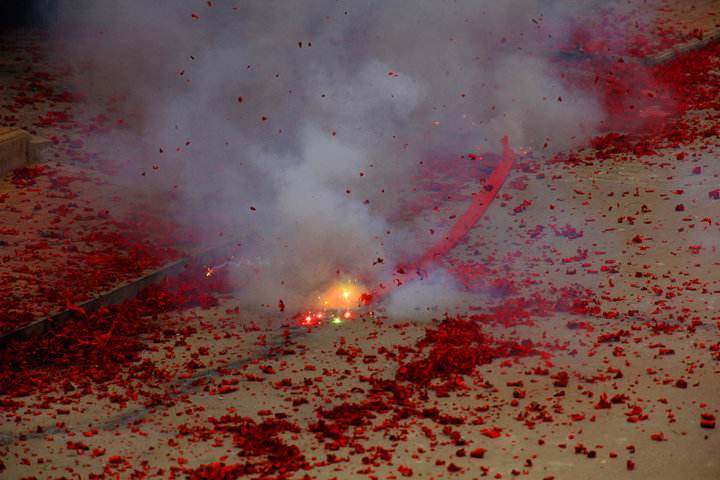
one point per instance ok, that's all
(586, 344)
(69, 232)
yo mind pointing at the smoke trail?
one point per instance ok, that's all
(301, 124)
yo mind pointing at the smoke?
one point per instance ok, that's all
(299, 126)
(428, 298)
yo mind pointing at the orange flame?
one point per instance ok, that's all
(342, 296)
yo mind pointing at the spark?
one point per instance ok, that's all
(335, 304)
(211, 270)
(341, 296)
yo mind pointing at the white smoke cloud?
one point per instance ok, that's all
(428, 298)
(337, 101)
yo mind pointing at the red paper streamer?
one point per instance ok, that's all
(475, 211)
(460, 229)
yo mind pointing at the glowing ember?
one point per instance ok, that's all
(336, 304)
(213, 269)
(343, 296)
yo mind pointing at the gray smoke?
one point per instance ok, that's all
(299, 125)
